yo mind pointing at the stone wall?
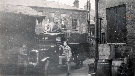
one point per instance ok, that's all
(130, 15)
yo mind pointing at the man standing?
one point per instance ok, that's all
(22, 59)
(56, 27)
(67, 53)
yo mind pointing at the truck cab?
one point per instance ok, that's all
(45, 53)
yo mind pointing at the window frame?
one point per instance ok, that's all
(74, 25)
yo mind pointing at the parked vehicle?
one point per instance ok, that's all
(26, 49)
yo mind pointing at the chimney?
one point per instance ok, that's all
(76, 3)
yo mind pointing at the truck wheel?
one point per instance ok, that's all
(46, 68)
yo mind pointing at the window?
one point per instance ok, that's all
(51, 17)
(63, 18)
(74, 23)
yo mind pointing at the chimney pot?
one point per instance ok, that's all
(76, 3)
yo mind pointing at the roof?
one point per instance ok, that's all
(19, 9)
(40, 3)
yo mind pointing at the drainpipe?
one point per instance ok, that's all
(96, 36)
(100, 29)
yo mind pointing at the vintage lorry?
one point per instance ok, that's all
(24, 49)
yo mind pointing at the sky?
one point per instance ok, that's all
(81, 3)
(67, 2)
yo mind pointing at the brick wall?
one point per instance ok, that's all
(130, 18)
(130, 13)
(80, 15)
